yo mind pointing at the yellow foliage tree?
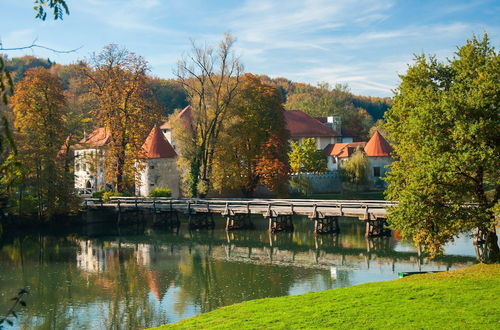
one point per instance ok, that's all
(118, 80)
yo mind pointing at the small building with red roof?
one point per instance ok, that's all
(377, 149)
(157, 166)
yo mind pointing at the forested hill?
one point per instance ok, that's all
(358, 113)
(325, 100)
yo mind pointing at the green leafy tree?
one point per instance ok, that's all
(305, 158)
(445, 123)
(355, 169)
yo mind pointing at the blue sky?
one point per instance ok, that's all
(362, 43)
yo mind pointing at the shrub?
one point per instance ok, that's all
(108, 194)
(98, 194)
(160, 192)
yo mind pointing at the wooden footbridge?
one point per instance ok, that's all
(238, 212)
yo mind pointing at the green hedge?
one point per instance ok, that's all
(160, 192)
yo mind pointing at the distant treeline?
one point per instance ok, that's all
(320, 100)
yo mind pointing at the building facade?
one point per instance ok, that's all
(89, 161)
(157, 166)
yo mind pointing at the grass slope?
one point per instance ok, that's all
(465, 298)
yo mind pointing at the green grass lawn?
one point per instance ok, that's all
(468, 298)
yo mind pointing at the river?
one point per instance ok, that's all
(101, 277)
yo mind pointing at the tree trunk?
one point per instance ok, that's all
(120, 165)
(492, 247)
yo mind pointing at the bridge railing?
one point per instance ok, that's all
(242, 202)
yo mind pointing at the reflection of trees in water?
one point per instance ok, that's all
(65, 296)
(122, 284)
(205, 281)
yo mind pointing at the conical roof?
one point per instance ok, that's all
(378, 146)
(157, 146)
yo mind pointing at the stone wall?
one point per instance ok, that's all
(159, 173)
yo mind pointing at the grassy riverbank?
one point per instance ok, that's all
(465, 298)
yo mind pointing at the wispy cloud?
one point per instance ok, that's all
(132, 15)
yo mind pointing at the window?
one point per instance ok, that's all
(151, 167)
(152, 184)
(84, 167)
(77, 167)
(376, 171)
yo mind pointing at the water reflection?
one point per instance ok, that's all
(143, 277)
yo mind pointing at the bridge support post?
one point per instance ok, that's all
(201, 221)
(326, 225)
(376, 228)
(238, 221)
(168, 219)
(280, 223)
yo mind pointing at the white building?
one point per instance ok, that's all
(157, 167)
(89, 161)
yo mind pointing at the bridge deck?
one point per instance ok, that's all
(314, 209)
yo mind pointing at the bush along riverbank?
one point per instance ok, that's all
(465, 298)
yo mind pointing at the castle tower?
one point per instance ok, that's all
(379, 152)
(157, 165)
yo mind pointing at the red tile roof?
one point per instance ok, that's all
(378, 146)
(185, 115)
(98, 138)
(300, 124)
(157, 146)
(343, 150)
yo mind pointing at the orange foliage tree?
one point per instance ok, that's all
(272, 166)
(257, 111)
(118, 80)
(39, 108)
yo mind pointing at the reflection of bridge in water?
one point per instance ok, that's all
(238, 212)
(325, 251)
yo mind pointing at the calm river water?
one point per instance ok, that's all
(100, 277)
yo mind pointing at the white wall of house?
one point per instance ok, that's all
(331, 164)
(158, 173)
(89, 169)
(378, 167)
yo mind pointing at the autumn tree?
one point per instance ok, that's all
(355, 169)
(39, 108)
(257, 111)
(446, 127)
(210, 77)
(272, 166)
(305, 158)
(117, 78)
